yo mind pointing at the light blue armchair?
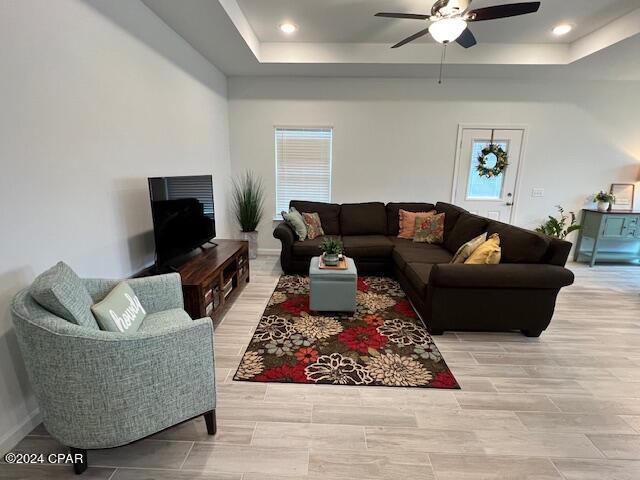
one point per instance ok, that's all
(100, 389)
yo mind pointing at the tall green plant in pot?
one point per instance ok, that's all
(248, 207)
(561, 226)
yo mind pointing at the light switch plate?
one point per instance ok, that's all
(537, 192)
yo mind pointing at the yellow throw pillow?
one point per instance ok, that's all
(468, 248)
(488, 253)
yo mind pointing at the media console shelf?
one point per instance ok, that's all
(211, 279)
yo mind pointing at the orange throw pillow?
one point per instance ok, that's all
(408, 222)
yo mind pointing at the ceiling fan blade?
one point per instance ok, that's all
(502, 11)
(421, 33)
(466, 39)
(411, 16)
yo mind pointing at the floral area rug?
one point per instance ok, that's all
(383, 343)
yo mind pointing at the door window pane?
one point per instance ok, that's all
(484, 188)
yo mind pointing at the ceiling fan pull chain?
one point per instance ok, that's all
(444, 53)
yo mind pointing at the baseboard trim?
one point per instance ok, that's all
(268, 251)
(11, 439)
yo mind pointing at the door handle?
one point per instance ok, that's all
(509, 201)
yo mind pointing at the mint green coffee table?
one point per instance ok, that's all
(332, 290)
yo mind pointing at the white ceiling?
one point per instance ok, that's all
(353, 21)
(343, 38)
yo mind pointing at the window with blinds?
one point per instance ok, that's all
(303, 165)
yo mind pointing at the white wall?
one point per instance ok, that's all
(394, 139)
(95, 97)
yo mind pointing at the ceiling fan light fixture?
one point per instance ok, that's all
(447, 29)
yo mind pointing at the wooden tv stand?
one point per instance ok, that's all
(212, 278)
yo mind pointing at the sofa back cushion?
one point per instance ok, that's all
(557, 253)
(519, 245)
(64, 294)
(451, 214)
(363, 219)
(393, 213)
(329, 214)
(467, 227)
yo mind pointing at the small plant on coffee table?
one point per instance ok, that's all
(331, 248)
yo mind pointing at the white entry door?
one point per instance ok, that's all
(489, 197)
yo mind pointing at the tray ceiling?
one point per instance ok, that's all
(352, 21)
(343, 38)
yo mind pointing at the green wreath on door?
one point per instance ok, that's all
(501, 161)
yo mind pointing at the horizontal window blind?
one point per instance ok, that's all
(192, 187)
(303, 165)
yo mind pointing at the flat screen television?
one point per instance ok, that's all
(183, 215)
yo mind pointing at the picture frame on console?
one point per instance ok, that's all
(625, 194)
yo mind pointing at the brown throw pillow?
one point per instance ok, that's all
(407, 222)
(488, 253)
(314, 227)
(430, 229)
(468, 248)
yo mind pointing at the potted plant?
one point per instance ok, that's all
(331, 249)
(605, 200)
(248, 208)
(560, 227)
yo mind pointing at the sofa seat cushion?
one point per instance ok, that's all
(329, 214)
(367, 246)
(418, 275)
(60, 291)
(519, 245)
(163, 320)
(393, 213)
(363, 219)
(309, 248)
(408, 251)
(468, 227)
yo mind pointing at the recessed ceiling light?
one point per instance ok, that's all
(562, 29)
(288, 28)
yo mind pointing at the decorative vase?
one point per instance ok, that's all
(252, 238)
(603, 206)
(330, 259)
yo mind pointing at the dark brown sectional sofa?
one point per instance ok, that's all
(518, 294)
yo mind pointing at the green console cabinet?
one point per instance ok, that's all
(613, 236)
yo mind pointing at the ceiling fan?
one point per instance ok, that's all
(449, 19)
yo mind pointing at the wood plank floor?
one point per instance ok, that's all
(564, 406)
